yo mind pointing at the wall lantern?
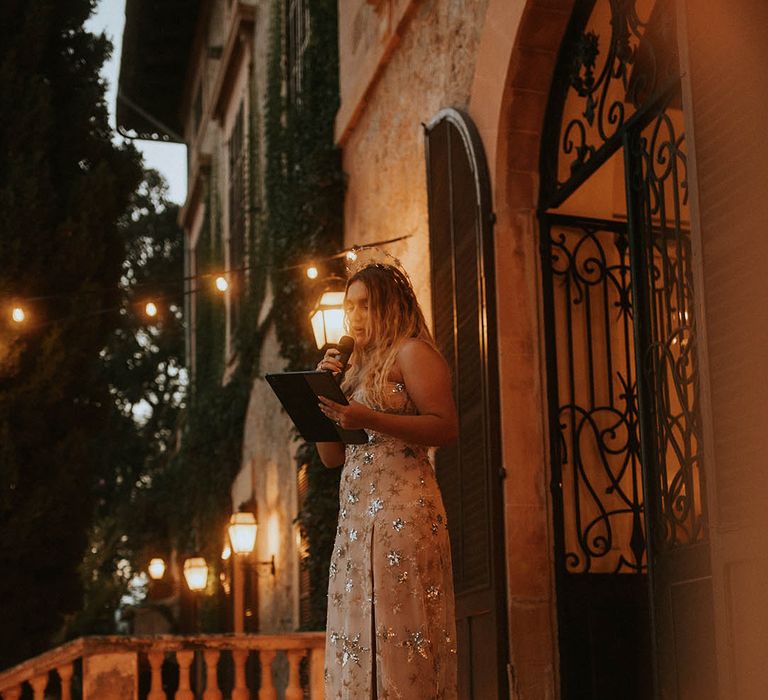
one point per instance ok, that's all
(196, 573)
(156, 568)
(242, 537)
(328, 319)
(242, 532)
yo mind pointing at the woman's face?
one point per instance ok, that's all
(356, 308)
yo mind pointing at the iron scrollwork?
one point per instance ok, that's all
(671, 357)
(598, 414)
(608, 86)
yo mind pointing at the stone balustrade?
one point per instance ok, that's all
(167, 667)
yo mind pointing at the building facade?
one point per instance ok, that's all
(201, 79)
(580, 183)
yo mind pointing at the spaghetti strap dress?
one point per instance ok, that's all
(391, 630)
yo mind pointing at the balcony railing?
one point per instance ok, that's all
(165, 667)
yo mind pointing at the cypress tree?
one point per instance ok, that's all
(63, 186)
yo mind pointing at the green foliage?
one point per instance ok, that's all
(63, 186)
(300, 216)
(142, 364)
(209, 305)
(304, 189)
(195, 488)
(304, 181)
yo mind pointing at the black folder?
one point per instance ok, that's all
(298, 392)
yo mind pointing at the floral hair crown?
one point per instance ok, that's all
(360, 257)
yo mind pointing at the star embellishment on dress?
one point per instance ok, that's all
(376, 505)
(351, 649)
(416, 643)
(394, 558)
(385, 633)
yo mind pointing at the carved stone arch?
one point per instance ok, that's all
(514, 69)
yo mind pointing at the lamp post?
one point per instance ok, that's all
(328, 318)
(196, 575)
(242, 536)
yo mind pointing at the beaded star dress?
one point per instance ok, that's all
(391, 625)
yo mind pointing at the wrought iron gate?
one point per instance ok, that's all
(627, 483)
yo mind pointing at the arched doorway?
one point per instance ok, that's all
(632, 556)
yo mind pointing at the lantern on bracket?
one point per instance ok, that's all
(328, 318)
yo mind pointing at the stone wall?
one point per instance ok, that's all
(268, 449)
(431, 68)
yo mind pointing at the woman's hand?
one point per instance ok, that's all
(330, 362)
(351, 417)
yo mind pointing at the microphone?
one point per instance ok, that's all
(346, 346)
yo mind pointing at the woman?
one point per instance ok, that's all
(391, 627)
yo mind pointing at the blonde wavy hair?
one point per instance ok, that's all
(394, 315)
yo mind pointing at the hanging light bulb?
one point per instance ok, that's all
(312, 272)
(221, 283)
(150, 309)
(18, 314)
(352, 255)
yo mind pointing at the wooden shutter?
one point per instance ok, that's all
(469, 473)
(305, 607)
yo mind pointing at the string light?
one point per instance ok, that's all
(18, 315)
(221, 283)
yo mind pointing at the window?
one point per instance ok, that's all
(298, 40)
(197, 111)
(238, 207)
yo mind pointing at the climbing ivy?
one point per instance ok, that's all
(304, 190)
(295, 215)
